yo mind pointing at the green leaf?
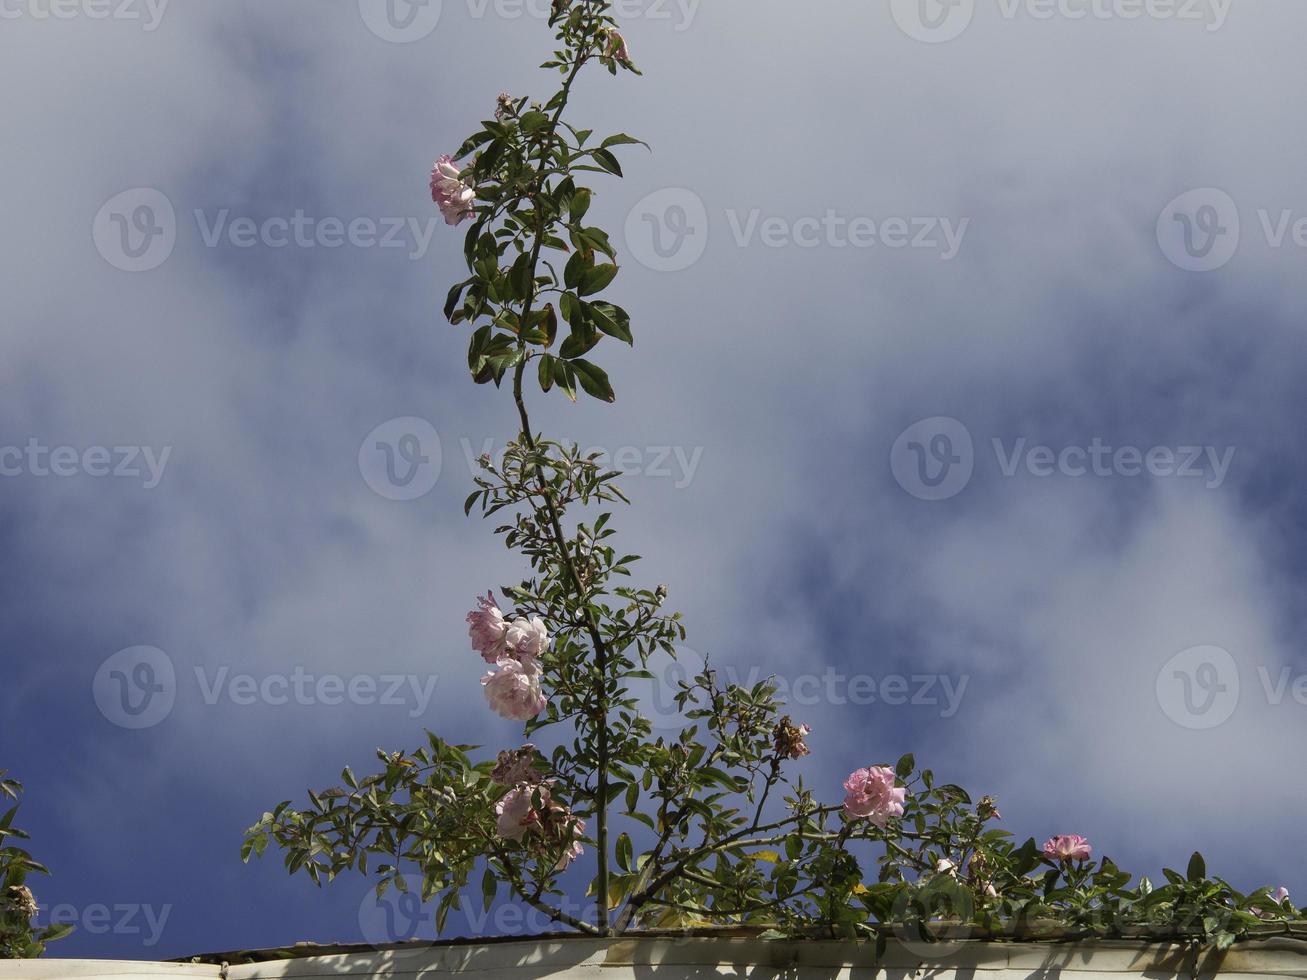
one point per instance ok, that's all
(580, 204)
(1197, 867)
(593, 380)
(621, 139)
(608, 162)
(577, 266)
(625, 852)
(602, 315)
(596, 279)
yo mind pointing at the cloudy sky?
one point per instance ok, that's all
(970, 340)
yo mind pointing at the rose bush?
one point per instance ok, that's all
(709, 826)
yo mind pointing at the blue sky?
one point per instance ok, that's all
(929, 384)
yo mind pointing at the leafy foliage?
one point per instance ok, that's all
(18, 939)
(706, 827)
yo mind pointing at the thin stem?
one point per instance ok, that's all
(555, 522)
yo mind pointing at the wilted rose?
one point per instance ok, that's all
(516, 766)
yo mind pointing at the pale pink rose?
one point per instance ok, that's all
(576, 827)
(515, 815)
(452, 195)
(873, 796)
(514, 690)
(1280, 895)
(488, 630)
(617, 48)
(528, 637)
(1067, 847)
(990, 890)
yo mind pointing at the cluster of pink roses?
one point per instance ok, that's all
(527, 813)
(515, 648)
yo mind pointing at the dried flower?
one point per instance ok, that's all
(788, 739)
(516, 766)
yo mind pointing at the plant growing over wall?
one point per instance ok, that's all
(708, 827)
(19, 939)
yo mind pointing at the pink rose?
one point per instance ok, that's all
(514, 690)
(575, 826)
(1280, 895)
(528, 638)
(552, 826)
(514, 814)
(873, 796)
(452, 195)
(488, 630)
(1067, 847)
